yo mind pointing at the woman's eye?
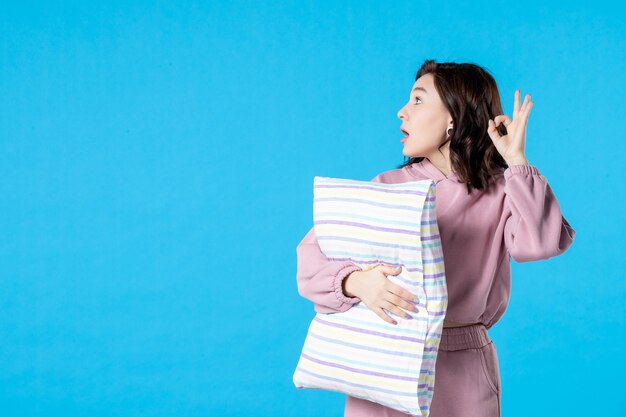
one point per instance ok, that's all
(417, 98)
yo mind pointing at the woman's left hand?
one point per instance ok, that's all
(511, 146)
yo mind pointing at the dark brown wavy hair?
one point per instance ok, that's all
(471, 95)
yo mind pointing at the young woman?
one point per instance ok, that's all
(491, 206)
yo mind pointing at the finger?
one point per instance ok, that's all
(397, 301)
(390, 270)
(369, 267)
(492, 131)
(525, 104)
(526, 111)
(402, 293)
(395, 309)
(381, 313)
(516, 105)
(506, 120)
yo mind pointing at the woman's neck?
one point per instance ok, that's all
(442, 163)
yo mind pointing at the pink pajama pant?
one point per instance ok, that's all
(467, 379)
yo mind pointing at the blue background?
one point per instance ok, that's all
(156, 170)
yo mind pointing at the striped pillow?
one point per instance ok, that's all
(356, 352)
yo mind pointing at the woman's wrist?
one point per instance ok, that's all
(517, 160)
(347, 285)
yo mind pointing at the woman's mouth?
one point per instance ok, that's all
(406, 135)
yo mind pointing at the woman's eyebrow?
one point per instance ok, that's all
(420, 88)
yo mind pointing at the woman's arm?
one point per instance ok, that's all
(320, 279)
(535, 228)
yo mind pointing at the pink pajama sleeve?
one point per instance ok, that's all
(320, 279)
(535, 228)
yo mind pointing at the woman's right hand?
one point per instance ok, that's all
(377, 291)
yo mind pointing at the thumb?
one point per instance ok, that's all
(390, 270)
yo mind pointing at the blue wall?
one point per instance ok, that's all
(156, 172)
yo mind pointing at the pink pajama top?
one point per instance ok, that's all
(480, 232)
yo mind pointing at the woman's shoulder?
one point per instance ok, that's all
(413, 172)
(394, 176)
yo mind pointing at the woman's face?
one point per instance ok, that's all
(425, 120)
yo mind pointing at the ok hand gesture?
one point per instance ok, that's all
(512, 145)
